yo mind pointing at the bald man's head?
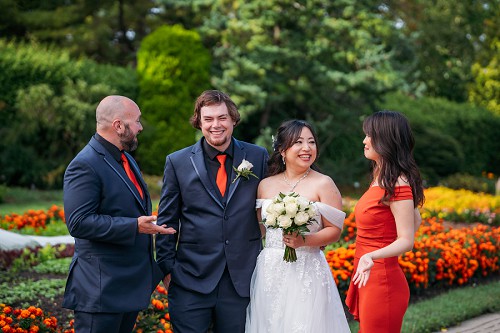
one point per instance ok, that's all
(118, 121)
(111, 108)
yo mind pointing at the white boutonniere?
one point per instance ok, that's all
(244, 170)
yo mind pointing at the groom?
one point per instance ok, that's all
(209, 263)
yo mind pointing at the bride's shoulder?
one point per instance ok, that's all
(268, 181)
(267, 186)
(322, 179)
(327, 191)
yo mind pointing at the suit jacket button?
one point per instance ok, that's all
(226, 217)
(227, 242)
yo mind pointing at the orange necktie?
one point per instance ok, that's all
(131, 175)
(221, 179)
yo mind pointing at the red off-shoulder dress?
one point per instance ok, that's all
(381, 304)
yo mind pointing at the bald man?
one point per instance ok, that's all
(108, 212)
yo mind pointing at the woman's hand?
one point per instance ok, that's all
(293, 240)
(362, 274)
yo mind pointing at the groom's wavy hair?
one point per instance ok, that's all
(213, 97)
(392, 138)
(286, 136)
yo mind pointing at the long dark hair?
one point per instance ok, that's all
(392, 139)
(286, 136)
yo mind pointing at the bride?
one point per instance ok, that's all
(298, 296)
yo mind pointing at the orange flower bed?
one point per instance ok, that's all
(453, 256)
(156, 317)
(441, 257)
(36, 219)
(30, 320)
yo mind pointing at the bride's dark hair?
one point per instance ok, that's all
(288, 133)
(392, 139)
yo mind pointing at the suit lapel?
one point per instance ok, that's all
(138, 176)
(239, 155)
(113, 164)
(198, 161)
(123, 176)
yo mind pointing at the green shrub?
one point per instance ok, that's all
(450, 137)
(48, 106)
(3, 191)
(437, 154)
(173, 69)
(53, 266)
(465, 181)
(29, 291)
(154, 186)
(30, 257)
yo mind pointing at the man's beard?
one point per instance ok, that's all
(128, 141)
(218, 142)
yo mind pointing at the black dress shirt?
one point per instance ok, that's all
(115, 153)
(210, 154)
(111, 148)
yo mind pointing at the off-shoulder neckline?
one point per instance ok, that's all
(394, 187)
(314, 202)
(273, 198)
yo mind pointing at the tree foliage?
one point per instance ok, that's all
(108, 31)
(48, 102)
(450, 137)
(485, 90)
(442, 40)
(329, 62)
(173, 69)
(318, 60)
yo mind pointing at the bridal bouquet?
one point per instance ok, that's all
(293, 214)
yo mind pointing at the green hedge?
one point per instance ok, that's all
(47, 102)
(173, 68)
(450, 137)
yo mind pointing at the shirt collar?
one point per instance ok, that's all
(212, 152)
(111, 148)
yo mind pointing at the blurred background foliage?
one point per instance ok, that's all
(331, 62)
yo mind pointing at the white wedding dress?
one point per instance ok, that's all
(295, 297)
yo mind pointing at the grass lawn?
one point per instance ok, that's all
(452, 308)
(20, 200)
(449, 308)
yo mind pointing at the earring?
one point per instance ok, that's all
(283, 159)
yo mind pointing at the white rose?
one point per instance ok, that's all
(284, 221)
(278, 208)
(270, 220)
(312, 211)
(291, 208)
(301, 218)
(245, 165)
(302, 202)
(289, 199)
(270, 209)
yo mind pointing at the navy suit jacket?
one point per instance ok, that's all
(212, 232)
(113, 269)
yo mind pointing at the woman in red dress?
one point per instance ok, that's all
(386, 219)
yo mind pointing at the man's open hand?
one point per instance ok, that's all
(147, 225)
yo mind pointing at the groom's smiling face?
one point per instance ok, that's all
(217, 125)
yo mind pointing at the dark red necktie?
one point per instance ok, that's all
(131, 175)
(221, 178)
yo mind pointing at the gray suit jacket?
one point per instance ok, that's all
(212, 232)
